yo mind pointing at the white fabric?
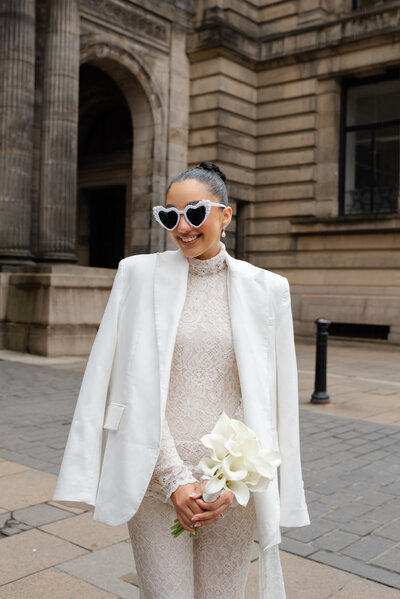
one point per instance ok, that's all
(130, 364)
(204, 381)
(213, 566)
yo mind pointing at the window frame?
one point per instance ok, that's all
(347, 83)
(355, 5)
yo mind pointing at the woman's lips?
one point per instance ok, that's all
(190, 241)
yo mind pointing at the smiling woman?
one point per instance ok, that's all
(187, 334)
(196, 231)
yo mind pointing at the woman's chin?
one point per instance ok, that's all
(191, 248)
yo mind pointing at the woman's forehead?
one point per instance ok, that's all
(192, 202)
(189, 191)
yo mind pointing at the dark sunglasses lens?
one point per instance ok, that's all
(168, 219)
(196, 215)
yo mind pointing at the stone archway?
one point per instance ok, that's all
(148, 152)
(105, 142)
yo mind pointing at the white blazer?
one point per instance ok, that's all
(115, 436)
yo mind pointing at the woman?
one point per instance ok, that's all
(186, 334)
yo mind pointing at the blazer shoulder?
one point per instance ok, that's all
(138, 261)
(271, 278)
(274, 277)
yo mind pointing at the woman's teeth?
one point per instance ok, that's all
(188, 239)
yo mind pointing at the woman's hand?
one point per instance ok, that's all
(185, 506)
(214, 509)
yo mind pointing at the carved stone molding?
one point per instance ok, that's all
(128, 18)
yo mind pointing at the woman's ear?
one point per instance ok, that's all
(227, 217)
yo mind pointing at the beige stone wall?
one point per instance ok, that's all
(273, 120)
(223, 110)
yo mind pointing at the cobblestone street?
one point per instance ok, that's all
(351, 469)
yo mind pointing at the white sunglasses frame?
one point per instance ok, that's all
(206, 203)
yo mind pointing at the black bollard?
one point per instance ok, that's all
(320, 394)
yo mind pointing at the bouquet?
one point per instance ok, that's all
(237, 463)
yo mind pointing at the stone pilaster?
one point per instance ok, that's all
(59, 132)
(17, 74)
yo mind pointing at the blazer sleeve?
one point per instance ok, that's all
(291, 487)
(80, 469)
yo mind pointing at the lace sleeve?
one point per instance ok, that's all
(169, 472)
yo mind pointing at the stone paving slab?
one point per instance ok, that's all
(305, 579)
(32, 551)
(26, 488)
(52, 584)
(86, 532)
(38, 515)
(105, 569)
(7, 467)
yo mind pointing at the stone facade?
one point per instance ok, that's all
(256, 86)
(266, 89)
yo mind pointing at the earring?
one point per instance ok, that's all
(223, 234)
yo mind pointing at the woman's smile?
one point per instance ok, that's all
(188, 240)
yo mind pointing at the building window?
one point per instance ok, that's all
(359, 4)
(370, 147)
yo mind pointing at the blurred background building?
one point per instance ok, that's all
(103, 101)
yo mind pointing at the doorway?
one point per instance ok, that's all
(105, 142)
(101, 228)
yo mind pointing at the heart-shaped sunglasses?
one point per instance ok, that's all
(195, 214)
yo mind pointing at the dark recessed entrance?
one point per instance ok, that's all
(104, 169)
(104, 219)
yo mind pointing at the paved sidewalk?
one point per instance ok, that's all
(351, 466)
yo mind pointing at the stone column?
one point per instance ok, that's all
(17, 76)
(59, 132)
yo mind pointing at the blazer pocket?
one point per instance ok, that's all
(113, 416)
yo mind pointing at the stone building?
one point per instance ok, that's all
(102, 102)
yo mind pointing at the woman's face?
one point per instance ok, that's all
(197, 242)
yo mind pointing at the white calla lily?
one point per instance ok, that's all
(252, 478)
(208, 466)
(240, 491)
(214, 487)
(265, 462)
(216, 443)
(223, 426)
(240, 429)
(233, 447)
(250, 447)
(233, 468)
(256, 482)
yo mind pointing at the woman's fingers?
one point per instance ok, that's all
(186, 507)
(225, 498)
(208, 517)
(183, 521)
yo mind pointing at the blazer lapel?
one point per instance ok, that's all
(169, 296)
(251, 335)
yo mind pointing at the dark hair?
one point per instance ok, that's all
(210, 175)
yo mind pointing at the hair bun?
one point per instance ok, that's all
(210, 166)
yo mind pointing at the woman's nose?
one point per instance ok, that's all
(183, 225)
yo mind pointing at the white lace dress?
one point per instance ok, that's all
(204, 381)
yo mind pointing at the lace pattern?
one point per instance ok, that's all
(204, 378)
(204, 381)
(170, 471)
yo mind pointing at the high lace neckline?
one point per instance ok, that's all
(209, 266)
